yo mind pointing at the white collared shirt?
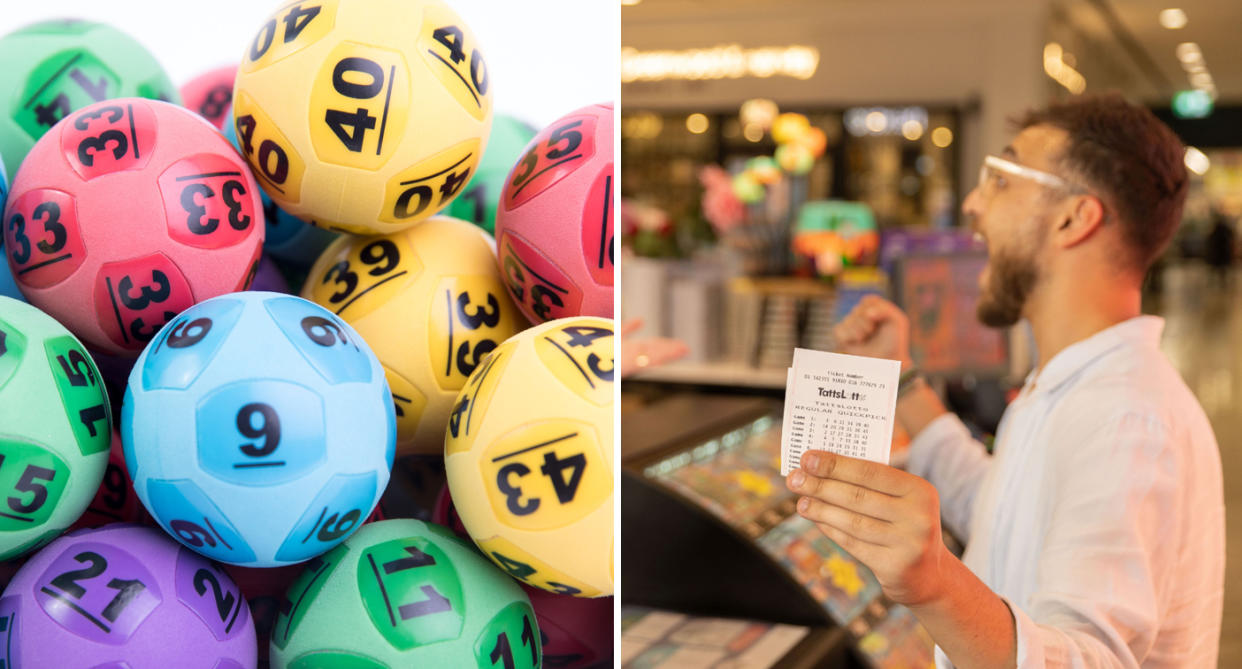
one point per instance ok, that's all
(1100, 519)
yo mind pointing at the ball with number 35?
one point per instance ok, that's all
(258, 429)
(529, 456)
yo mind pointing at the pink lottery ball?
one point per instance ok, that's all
(554, 228)
(126, 213)
(210, 94)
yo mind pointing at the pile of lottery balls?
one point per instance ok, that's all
(307, 363)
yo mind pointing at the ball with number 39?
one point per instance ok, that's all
(258, 429)
(430, 302)
(528, 453)
(55, 428)
(124, 595)
(364, 116)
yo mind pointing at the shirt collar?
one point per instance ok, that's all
(1140, 332)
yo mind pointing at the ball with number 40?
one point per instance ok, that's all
(364, 116)
(55, 428)
(528, 453)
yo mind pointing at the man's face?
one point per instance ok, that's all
(1013, 214)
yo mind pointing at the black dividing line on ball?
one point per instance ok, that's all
(314, 527)
(208, 175)
(115, 309)
(531, 448)
(298, 604)
(213, 531)
(469, 88)
(133, 133)
(45, 263)
(24, 520)
(571, 359)
(10, 624)
(383, 590)
(603, 224)
(448, 359)
(53, 78)
(384, 120)
(240, 602)
(534, 176)
(450, 168)
(537, 275)
(67, 602)
(371, 288)
(251, 465)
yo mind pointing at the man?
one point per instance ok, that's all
(1095, 533)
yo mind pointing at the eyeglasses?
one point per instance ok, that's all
(993, 168)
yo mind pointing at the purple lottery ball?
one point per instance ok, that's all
(268, 277)
(124, 597)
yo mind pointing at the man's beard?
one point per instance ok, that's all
(1009, 284)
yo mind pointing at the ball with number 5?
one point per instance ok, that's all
(55, 428)
(126, 596)
(258, 429)
(430, 303)
(528, 452)
(126, 213)
(364, 116)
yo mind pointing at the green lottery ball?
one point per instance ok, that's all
(404, 593)
(478, 201)
(56, 67)
(55, 428)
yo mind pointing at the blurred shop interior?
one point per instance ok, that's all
(781, 160)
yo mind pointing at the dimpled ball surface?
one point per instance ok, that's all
(404, 593)
(124, 596)
(529, 456)
(126, 213)
(258, 429)
(364, 116)
(554, 227)
(55, 425)
(430, 302)
(54, 67)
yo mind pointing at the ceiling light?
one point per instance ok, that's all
(876, 121)
(1172, 18)
(697, 123)
(630, 3)
(942, 137)
(1197, 161)
(1189, 52)
(912, 130)
(752, 132)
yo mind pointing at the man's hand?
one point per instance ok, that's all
(639, 354)
(876, 328)
(887, 518)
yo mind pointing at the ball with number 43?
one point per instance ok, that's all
(528, 453)
(364, 116)
(258, 429)
(55, 428)
(430, 303)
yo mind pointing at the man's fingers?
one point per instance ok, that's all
(860, 526)
(863, 473)
(846, 495)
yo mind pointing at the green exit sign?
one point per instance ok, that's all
(1192, 104)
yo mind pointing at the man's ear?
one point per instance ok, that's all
(1081, 217)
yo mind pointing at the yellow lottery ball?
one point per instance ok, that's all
(529, 456)
(431, 304)
(365, 116)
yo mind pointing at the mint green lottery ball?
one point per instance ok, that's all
(478, 201)
(404, 593)
(55, 428)
(53, 68)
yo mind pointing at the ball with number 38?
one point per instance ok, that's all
(124, 596)
(126, 213)
(528, 453)
(404, 593)
(430, 302)
(364, 116)
(258, 429)
(55, 428)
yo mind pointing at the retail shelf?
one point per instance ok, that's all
(714, 374)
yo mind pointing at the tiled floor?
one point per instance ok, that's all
(1203, 337)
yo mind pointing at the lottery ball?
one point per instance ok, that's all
(288, 237)
(124, 596)
(363, 116)
(210, 94)
(477, 203)
(575, 632)
(55, 424)
(554, 225)
(258, 429)
(115, 501)
(404, 593)
(430, 302)
(8, 286)
(55, 67)
(125, 215)
(268, 278)
(528, 452)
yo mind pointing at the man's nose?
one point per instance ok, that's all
(971, 208)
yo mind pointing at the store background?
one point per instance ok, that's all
(965, 66)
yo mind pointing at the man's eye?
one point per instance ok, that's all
(1000, 181)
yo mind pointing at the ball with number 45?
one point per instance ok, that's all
(528, 453)
(364, 116)
(430, 303)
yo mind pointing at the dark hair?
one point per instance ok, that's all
(1130, 158)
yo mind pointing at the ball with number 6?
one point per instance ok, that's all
(124, 596)
(364, 116)
(528, 452)
(258, 429)
(126, 213)
(430, 303)
(55, 428)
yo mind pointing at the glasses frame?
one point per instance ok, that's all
(1014, 169)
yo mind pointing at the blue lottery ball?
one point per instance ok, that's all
(259, 429)
(8, 287)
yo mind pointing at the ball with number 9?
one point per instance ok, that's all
(404, 593)
(258, 429)
(127, 596)
(528, 452)
(55, 425)
(364, 116)
(126, 213)
(554, 226)
(430, 302)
